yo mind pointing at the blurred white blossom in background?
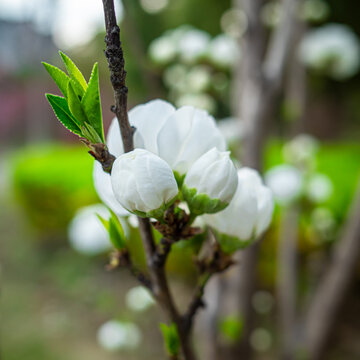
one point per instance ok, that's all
(117, 335)
(139, 299)
(154, 6)
(232, 129)
(87, 234)
(319, 188)
(224, 51)
(196, 68)
(301, 150)
(286, 183)
(333, 50)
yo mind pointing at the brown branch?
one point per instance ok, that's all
(115, 57)
(327, 300)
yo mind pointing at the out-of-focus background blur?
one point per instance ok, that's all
(58, 301)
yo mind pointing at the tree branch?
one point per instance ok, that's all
(115, 57)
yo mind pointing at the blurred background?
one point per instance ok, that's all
(58, 301)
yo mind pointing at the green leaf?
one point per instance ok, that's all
(73, 71)
(60, 78)
(115, 230)
(75, 104)
(92, 104)
(171, 338)
(103, 221)
(62, 112)
(90, 133)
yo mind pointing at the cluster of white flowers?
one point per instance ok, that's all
(183, 151)
(189, 44)
(298, 178)
(332, 49)
(196, 66)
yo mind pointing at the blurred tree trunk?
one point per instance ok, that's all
(287, 280)
(258, 84)
(321, 315)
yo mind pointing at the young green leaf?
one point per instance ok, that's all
(92, 104)
(73, 71)
(60, 78)
(116, 233)
(90, 133)
(62, 112)
(115, 230)
(103, 221)
(171, 338)
(75, 104)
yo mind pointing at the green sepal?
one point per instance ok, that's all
(60, 78)
(75, 105)
(229, 244)
(179, 179)
(63, 113)
(158, 214)
(73, 71)
(92, 105)
(171, 338)
(115, 230)
(201, 203)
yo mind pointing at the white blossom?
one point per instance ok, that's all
(333, 49)
(286, 182)
(250, 210)
(139, 299)
(213, 174)
(117, 335)
(142, 182)
(186, 135)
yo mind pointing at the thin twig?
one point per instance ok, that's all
(123, 259)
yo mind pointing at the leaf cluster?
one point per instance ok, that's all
(79, 110)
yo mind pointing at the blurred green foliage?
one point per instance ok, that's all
(51, 182)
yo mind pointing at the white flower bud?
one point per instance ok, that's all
(210, 183)
(248, 214)
(186, 135)
(142, 182)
